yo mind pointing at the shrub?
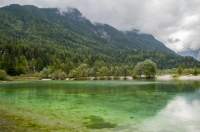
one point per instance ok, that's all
(3, 75)
(175, 76)
(195, 71)
(45, 73)
(59, 75)
(62, 75)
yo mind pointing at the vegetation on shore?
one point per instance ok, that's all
(146, 68)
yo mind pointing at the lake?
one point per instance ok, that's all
(114, 106)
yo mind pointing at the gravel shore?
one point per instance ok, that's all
(169, 77)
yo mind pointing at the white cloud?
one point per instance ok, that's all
(163, 19)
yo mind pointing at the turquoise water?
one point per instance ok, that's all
(123, 106)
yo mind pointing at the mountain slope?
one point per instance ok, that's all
(28, 36)
(193, 53)
(118, 38)
(148, 40)
(20, 26)
(74, 21)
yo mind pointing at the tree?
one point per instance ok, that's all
(72, 73)
(22, 65)
(3, 74)
(39, 64)
(91, 73)
(125, 71)
(98, 65)
(32, 64)
(69, 66)
(117, 72)
(132, 73)
(179, 70)
(5, 61)
(103, 72)
(82, 71)
(138, 69)
(55, 75)
(146, 67)
(195, 72)
(149, 68)
(12, 69)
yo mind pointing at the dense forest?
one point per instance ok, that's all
(32, 39)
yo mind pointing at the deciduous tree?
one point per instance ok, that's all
(146, 67)
(138, 69)
(180, 70)
(195, 71)
(149, 68)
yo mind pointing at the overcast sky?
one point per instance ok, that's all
(176, 23)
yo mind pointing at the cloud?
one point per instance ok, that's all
(172, 40)
(164, 19)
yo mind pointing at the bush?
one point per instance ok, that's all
(59, 75)
(3, 75)
(62, 75)
(175, 76)
(45, 73)
(195, 71)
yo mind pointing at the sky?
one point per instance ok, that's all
(176, 23)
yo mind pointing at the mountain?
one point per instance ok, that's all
(193, 53)
(198, 55)
(47, 37)
(148, 40)
(73, 20)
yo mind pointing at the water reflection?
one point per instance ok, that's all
(181, 114)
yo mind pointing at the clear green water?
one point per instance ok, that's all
(123, 106)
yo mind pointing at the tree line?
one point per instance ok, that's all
(18, 59)
(100, 69)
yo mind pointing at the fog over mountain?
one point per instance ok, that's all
(194, 53)
(175, 23)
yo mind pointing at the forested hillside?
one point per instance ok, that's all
(148, 40)
(32, 38)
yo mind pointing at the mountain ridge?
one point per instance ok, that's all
(148, 39)
(74, 17)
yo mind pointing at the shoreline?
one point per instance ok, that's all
(157, 77)
(161, 77)
(183, 77)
